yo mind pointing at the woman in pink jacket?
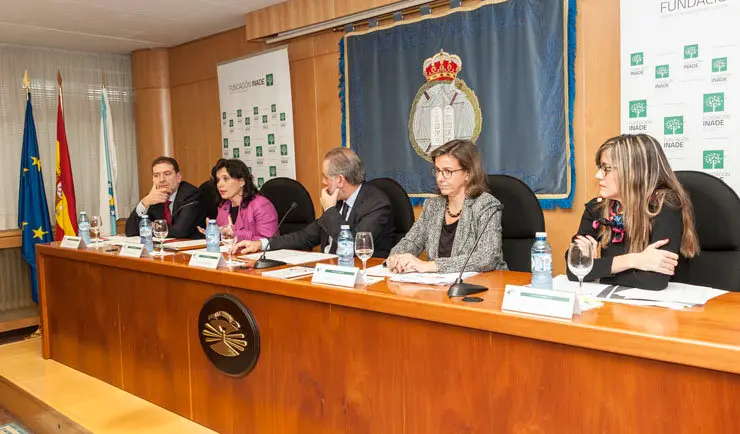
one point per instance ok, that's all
(253, 215)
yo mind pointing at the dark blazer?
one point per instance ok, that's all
(371, 212)
(187, 214)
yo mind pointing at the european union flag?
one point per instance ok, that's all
(33, 211)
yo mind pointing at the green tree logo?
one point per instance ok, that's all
(662, 71)
(283, 149)
(223, 115)
(719, 64)
(714, 160)
(239, 113)
(249, 169)
(714, 102)
(256, 111)
(259, 151)
(264, 119)
(273, 171)
(691, 51)
(247, 141)
(260, 182)
(273, 108)
(231, 123)
(246, 121)
(226, 143)
(636, 59)
(638, 109)
(235, 152)
(673, 125)
(271, 139)
(270, 80)
(282, 117)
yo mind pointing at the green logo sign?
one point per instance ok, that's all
(282, 117)
(273, 108)
(223, 115)
(239, 113)
(691, 51)
(249, 168)
(714, 160)
(246, 121)
(636, 59)
(273, 171)
(235, 152)
(259, 151)
(247, 141)
(260, 182)
(231, 123)
(662, 71)
(714, 102)
(226, 143)
(719, 64)
(673, 125)
(256, 111)
(264, 119)
(270, 80)
(638, 109)
(283, 149)
(271, 139)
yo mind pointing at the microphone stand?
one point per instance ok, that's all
(461, 289)
(263, 262)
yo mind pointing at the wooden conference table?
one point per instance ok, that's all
(389, 358)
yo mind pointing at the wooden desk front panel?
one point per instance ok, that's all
(327, 368)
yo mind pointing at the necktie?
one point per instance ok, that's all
(345, 211)
(167, 212)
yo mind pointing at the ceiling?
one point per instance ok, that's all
(118, 26)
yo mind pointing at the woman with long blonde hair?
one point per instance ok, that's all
(642, 219)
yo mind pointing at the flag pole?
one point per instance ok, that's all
(61, 96)
(27, 84)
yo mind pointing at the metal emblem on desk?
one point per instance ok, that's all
(229, 335)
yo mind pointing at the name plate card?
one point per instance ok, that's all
(207, 260)
(134, 251)
(70, 242)
(335, 275)
(547, 302)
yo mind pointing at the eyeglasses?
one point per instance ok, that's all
(446, 173)
(606, 168)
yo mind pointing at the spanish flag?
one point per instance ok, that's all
(65, 209)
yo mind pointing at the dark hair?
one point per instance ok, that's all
(166, 160)
(466, 153)
(343, 161)
(237, 170)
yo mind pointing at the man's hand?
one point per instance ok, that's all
(328, 200)
(154, 197)
(246, 246)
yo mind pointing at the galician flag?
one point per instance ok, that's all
(65, 204)
(33, 212)
(108, 170)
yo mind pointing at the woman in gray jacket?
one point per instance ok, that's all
(450, 223)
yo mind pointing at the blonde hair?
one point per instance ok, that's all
(646, 183)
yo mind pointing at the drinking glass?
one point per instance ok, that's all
(580, 262)
(159, 232)
(228, 237)
(364, 248)
(96, 224)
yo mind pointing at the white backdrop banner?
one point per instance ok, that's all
(257, 114)
(679, 59)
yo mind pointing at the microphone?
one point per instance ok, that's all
(263, 262)
(460, 289)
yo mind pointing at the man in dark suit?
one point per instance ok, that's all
(171, 199)
(346, 199)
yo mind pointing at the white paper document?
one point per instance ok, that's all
(380, 271)
(185, 244)
(289, 273)
(430, 278)
(292, 257)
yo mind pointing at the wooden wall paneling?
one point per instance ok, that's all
(150, 69)
(196, 61)
(328, 107)
(301, 49)
(308, 156)
(155, 346)
(91, 342)
(154, 131)
(303, 13)
(268, 21)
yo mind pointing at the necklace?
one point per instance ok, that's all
(449, 213)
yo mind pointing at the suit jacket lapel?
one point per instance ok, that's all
(464, 228)
(435, 230)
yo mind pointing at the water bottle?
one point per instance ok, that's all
(346, 247)
(541, 262)
(213, 237)
(83, 224)
(145, 233)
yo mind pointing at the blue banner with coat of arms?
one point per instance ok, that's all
(500, 73)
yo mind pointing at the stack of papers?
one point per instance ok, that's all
(182, 245)
(430, 278)
(292, 257)
(675, 296)
(289, 273)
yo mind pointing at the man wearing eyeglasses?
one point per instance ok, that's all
(346, 200)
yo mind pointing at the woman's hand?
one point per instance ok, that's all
(657, 260)
(406, 262)
(588, 242)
